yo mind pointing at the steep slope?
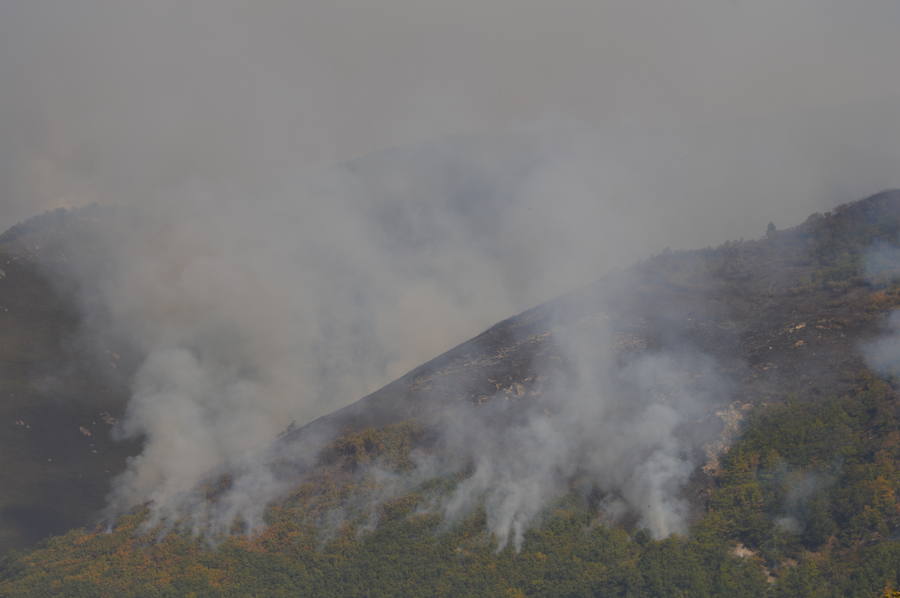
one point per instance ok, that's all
(796, 494)
(785, 313)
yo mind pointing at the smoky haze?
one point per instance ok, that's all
(747, 111)
(318, 196)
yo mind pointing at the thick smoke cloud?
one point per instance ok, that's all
(883, 353)
(622, 434)
(250, 316)
(260, 283)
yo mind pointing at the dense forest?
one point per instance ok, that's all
(842, 540)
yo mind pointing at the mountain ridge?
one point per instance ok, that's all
(538, 319)
(799, 475)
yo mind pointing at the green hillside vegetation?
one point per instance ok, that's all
(845, 544)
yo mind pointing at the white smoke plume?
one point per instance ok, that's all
(883, 353)
(259, 284)
(622, 432)
(800, 488)
(881, 266)
(250, 316)
(625, 433)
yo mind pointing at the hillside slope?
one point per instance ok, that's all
(747, 302)
(58, 399)
(796, 493)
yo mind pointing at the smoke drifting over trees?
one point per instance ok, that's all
(622, 432)
(880, 265)
(265, 273)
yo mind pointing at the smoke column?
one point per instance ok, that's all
(312, 198)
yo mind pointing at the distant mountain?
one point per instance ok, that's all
(722, 421)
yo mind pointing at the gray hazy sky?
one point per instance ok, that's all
(102, 99)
